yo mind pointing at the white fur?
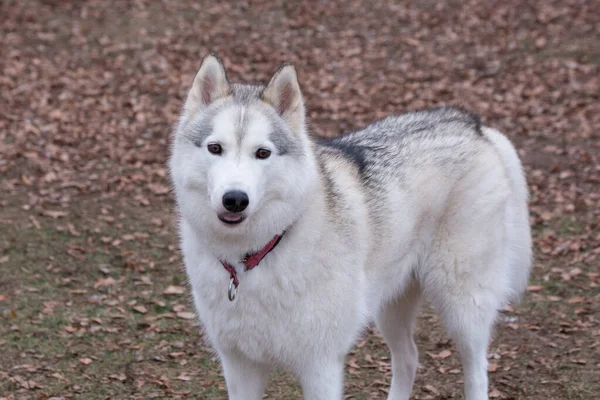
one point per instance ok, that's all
(463, 243)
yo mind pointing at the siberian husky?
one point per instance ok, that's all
(292, 245)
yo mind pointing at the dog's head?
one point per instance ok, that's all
(240, 154)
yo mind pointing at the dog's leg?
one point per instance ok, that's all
(472, 335)
(246, 380)
(323, 380)
(470, 324)
(396, 323)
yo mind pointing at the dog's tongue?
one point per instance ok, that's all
(231, 217)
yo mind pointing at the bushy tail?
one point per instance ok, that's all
(518, 213)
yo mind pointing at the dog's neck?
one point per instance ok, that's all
(251, 261)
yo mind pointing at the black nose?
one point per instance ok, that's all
(235, 201)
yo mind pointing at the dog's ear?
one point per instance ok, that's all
(283, 93)
(210, 84)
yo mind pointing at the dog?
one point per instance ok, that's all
(292, 245)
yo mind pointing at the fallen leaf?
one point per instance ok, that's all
(118, 377)
(186, 315)
(534, 288)
(431, 389)
(72, 230)
(159, 189)
(576, 300)
(141, 309)
(174, 290)
(441, 355)
(54, 214)
(107, 282)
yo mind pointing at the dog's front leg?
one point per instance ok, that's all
(246, 379)
(323, 380)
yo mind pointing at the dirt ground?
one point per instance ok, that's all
(93, 299)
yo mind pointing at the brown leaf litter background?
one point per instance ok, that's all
(93, 302)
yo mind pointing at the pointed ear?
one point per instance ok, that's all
(283, 93)
(209, 84)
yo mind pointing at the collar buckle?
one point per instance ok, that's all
(232, 291)
(249, 261)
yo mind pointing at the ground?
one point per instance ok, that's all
(93, 299)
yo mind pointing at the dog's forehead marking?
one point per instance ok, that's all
(241, 122)
(224, 122)
(242, 114)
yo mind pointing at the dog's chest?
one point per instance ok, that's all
(264, 320)
(279, 315)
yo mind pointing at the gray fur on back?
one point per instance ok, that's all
(390, 143)
(386, 151)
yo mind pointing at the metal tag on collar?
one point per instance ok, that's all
(232, 290)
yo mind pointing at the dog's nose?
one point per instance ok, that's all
(235, 201)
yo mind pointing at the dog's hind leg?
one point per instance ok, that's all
(468, 306)
(245, 379)
(470, 327)
(396, 323)
(323, 379)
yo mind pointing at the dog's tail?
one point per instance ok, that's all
(518, 215)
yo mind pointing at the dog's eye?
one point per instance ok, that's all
(263, 153)
(214, 148)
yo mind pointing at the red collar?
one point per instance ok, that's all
(251, 260)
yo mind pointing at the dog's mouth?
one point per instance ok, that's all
(231, 218)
